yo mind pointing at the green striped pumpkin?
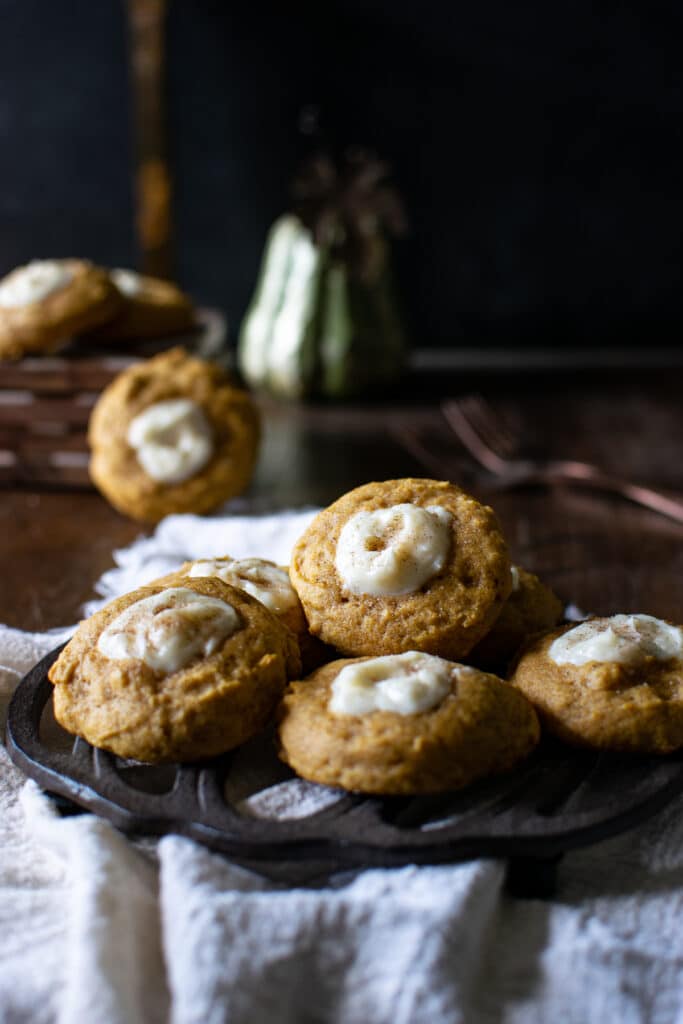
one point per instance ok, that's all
(315, 329)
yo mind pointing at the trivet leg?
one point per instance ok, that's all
(64, 806)
(532, 877)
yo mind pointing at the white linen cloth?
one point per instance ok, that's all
(96, 928)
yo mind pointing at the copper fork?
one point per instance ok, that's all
(493, 445)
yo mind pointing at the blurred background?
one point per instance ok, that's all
(537, 147)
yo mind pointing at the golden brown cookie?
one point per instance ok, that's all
(150, 308)
(172, 434)
(361, 734)
(45, 303)
(531, 608)
(612, 683)
(268, 583)
(402, 565)
(174, 673)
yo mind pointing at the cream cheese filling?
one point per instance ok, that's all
(404, 683)
(127, 281)
(264, 580)
(172, 440)
(34, 282)
(170, 629)
(391, 551)
(621, 638)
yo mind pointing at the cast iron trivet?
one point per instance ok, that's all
(557, 800)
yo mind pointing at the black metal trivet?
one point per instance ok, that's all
(556, 801)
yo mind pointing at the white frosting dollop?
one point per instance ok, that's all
(264, 580)
(394, 550)
(172, 440)
(127, 282)
(405, 683)
(33, 283)
(620, 638)
(170, 629)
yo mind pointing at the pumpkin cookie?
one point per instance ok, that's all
(47, 302)
(174, 673)
(171, 434)
(150, 308)
(403, 724)
(268, 583)
(402, 565)
(531, 608)
(612, 683)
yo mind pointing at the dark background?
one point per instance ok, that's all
(538, 148)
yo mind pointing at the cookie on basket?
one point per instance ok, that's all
(172, 434)
(403, 724)
(150, 308)
(531, 608)
(402, 565)
(268, 583)
(612, 683)
(45, 303)
(174, 673)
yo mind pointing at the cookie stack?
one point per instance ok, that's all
(47, 303)
(372, 652)
(405, 577)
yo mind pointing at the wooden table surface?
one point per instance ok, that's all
(600, 552)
